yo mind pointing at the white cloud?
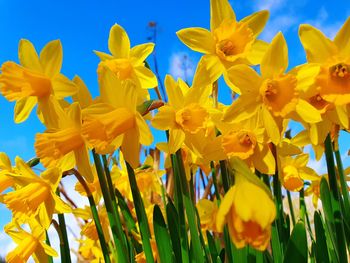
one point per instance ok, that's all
(276, 24)
(181, 66)
(328, 27)
(270, 5)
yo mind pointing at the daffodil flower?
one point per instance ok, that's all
(65, 145)
(185, 112)
(29, 244)
(229, 41)
(114, 121)
(6, 181)
(248, 210)
(207, 211)
(294, 171)
(127, 63)
(35, 195)
(36, 80)
(274, 94)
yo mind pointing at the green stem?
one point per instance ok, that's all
(50, 259)
(213, 174)
(225, 176)
(65, 244)
(114, 220)
(141, 215)
(291, 209)
(332, 177)
(94, 216)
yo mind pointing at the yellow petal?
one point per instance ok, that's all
(49, 250)
(220, 10)
(146, 77)
(83, 95)
(118, 42)
(257, 51)
(224, 208)
(63, 87)
(176, 139)
(275, 60)
(246, 79)
(307, 112)
(51, 58)
(209, 69)
(110, 87)
(27, 55)
(164, 119)
(60, 206)
(103, 56)
(23, 108)
(306, 75)
(264, 161)
(240, 110)
(271, 126)
(131, 147)
(146, 137)
(174, 92)
(257, 21)
(198, 39)
(141, 52)
(317, 46)
(83, 163)
(342, 39)
(343, 115)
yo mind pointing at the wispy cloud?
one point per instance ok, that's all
(181, 66)
(327, 26)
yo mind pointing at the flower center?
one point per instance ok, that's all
(340, 70)
(280, 95)
(319, 103)
(192, 118)
(239, 143)
(233, 39)
(19, 82)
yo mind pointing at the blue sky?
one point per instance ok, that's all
(84, 25)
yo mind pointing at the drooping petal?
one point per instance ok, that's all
(197, 39)
(275, 60)
(317, 46)
(103, 56)
(176, 139)
(257, 21)
(146, 77)
(140, 52)
(225, 208)
(146, 137)
(131, 147)
(220, 10)
(118, 42)
(51, 58)
(271, 126)
(83, 163)
(23, 108)
(27, 55)
(307, 112)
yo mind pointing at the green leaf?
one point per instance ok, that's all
(212, 247)
(162, 236)
(296, 250)
(129, 220)
(321, 249)
(173, 225)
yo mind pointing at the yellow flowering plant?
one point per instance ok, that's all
(216, 189)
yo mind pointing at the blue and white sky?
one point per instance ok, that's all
(83, 26)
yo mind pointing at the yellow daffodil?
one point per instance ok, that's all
(114, 121)
(95, 187)
(185, 112)
(207, 211)
(229, 41)
(125, 62)
(29, 244)
(35, 195)
(333, 81)
(314, 190)
(274, 94)
(6, 181)
(248, 210)
(65, 146)
(36, 80)
(294, 171)
(90, 251)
